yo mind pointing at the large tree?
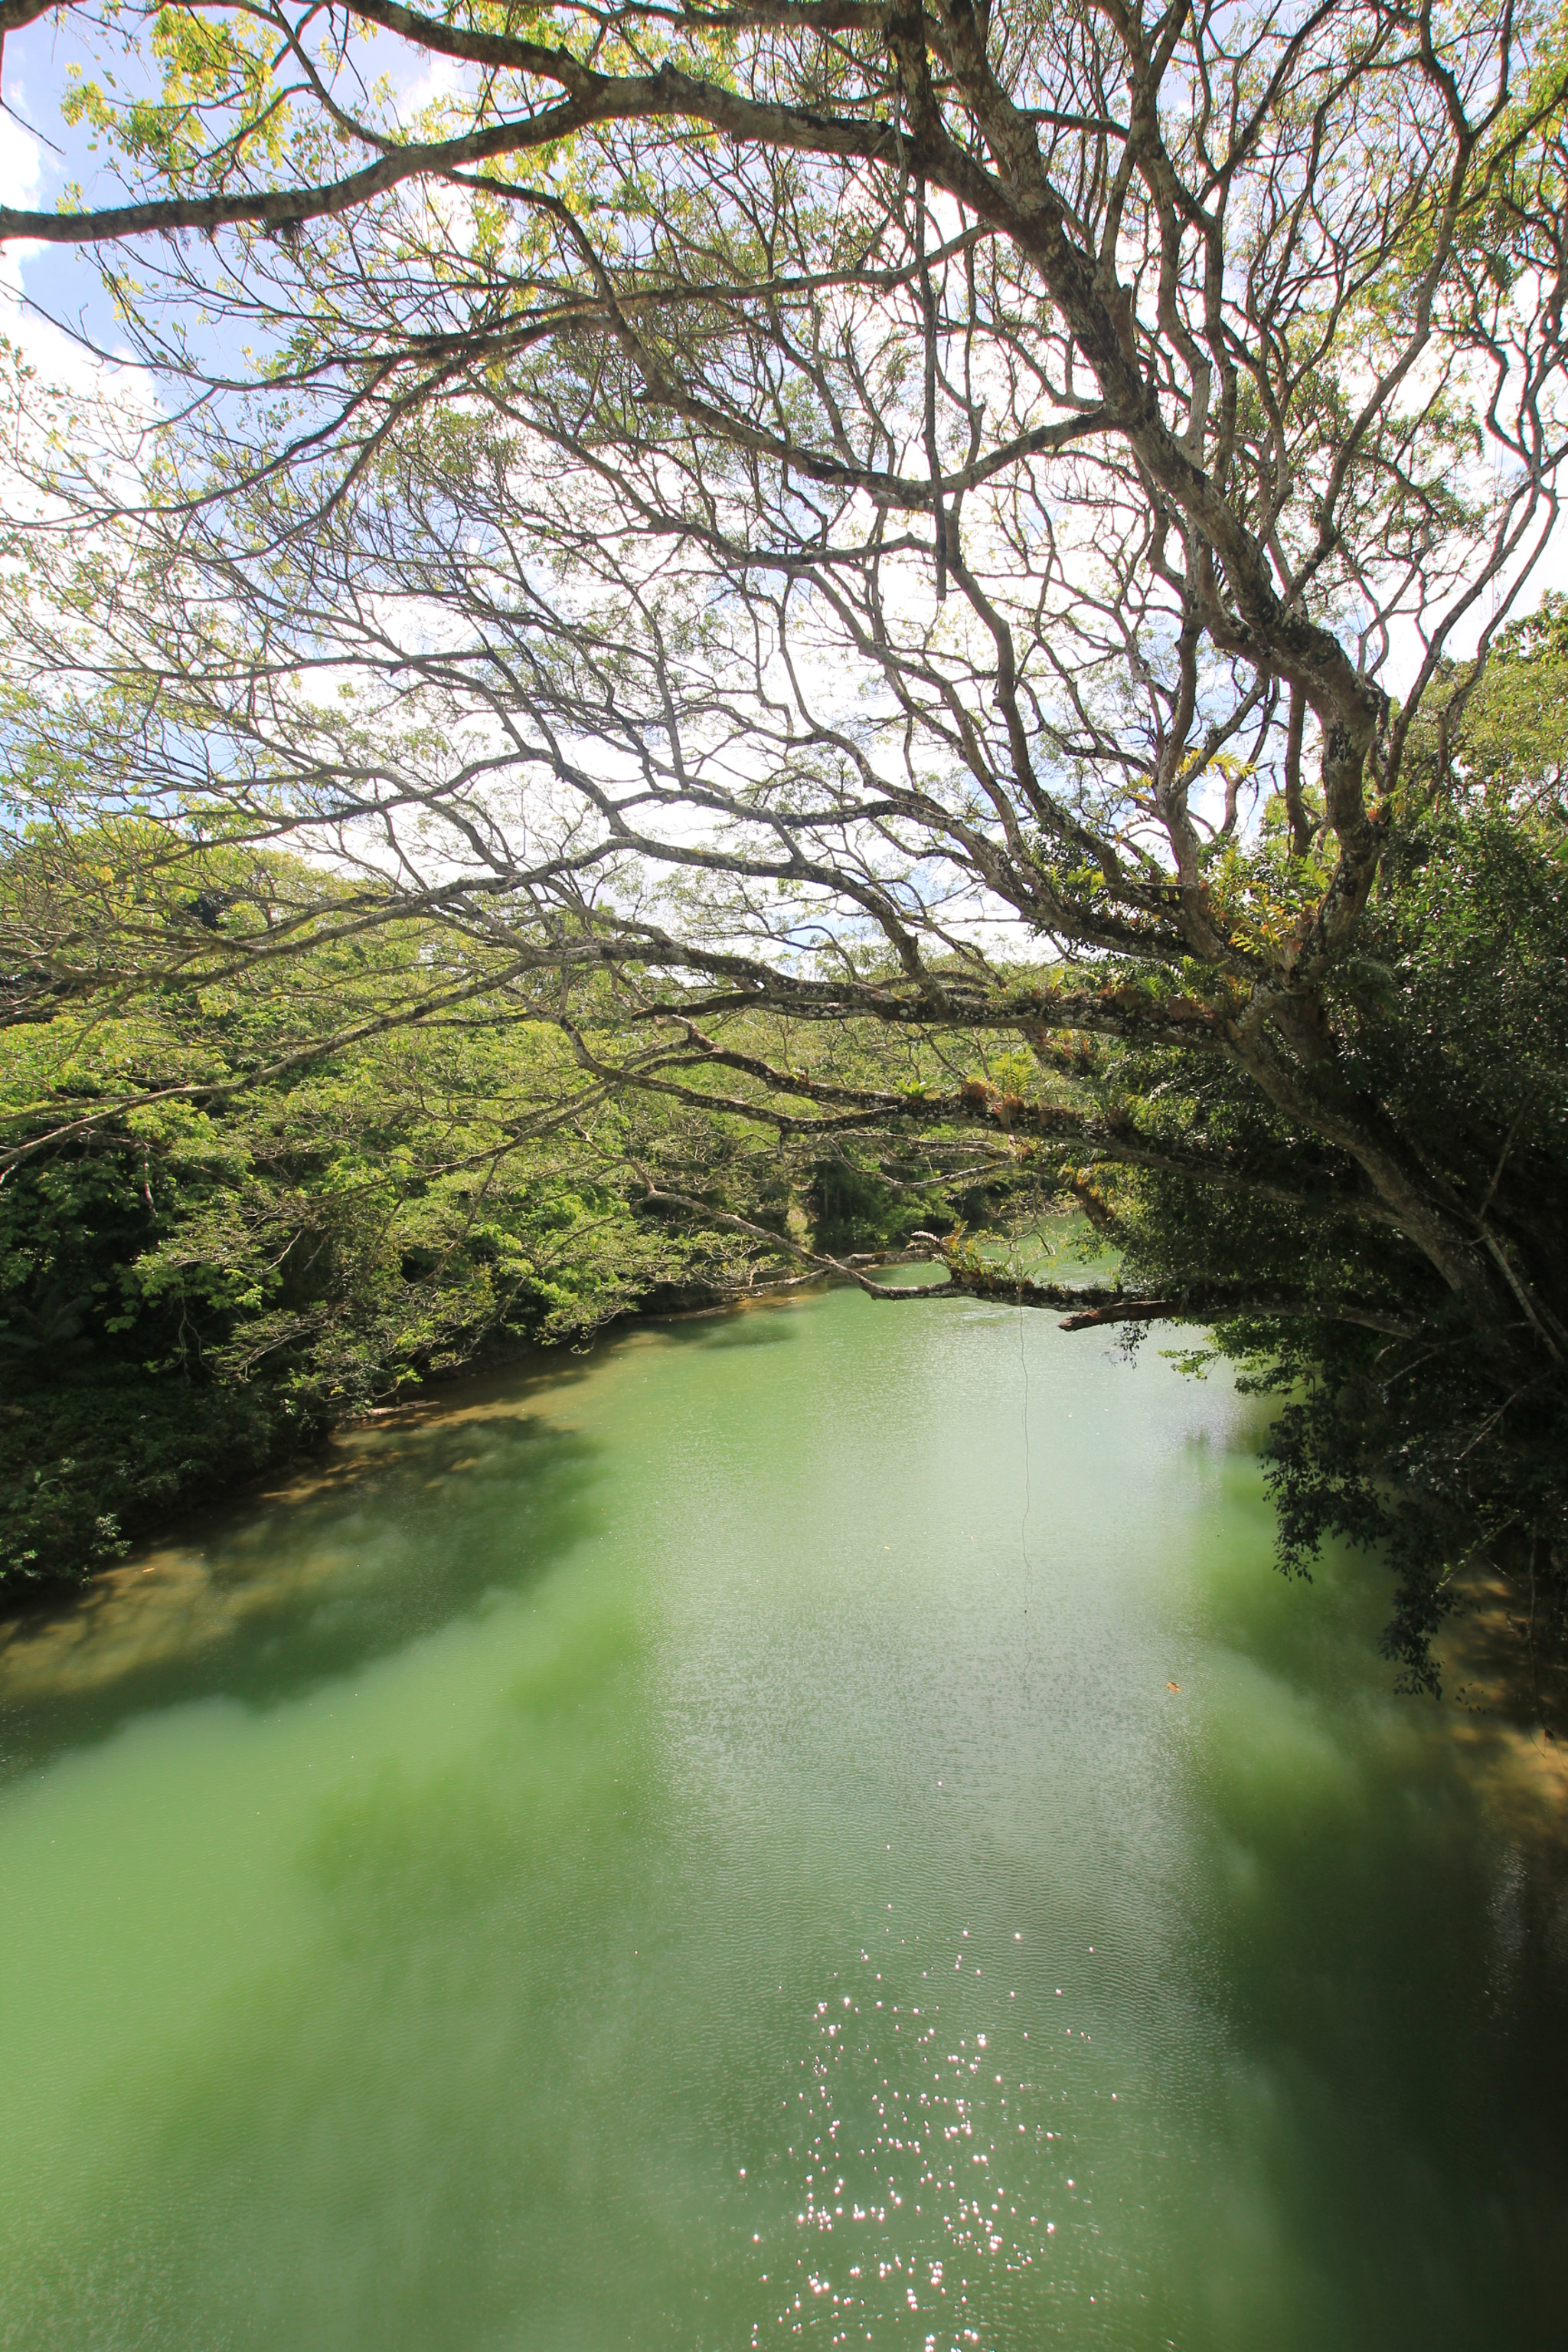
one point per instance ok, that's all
(854, 511)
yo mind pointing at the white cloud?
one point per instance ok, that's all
(21, 171)
(21, 165)
(26, 267)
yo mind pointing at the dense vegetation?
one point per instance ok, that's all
(192, 1287)
(870, 615)
(1417, 1439)
(1422, 1443)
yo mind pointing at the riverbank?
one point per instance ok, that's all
(449, 1897)
(93, 1466)
(173, 1595)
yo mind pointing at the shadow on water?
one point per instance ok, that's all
(357, 1554)
(1391, 1985)
(506, 2023)
(1382, 1942)
(765, 1323)
(366, 1552)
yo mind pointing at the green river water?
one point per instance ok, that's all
(693, 1846)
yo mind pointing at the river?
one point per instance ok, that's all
(818, 1826)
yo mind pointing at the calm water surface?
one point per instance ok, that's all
(697, 1849)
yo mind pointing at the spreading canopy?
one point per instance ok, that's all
(803, 504)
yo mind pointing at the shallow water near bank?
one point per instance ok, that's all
(696, 1846)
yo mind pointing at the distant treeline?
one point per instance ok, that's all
(198, 1285)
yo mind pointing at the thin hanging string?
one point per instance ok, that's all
(1024, 1674)
(1024, 1522)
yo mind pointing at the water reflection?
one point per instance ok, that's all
(394, 1532)
(671, 1860)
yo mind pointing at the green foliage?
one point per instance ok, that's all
(87, 1459)
(854, 1207)
(192, 1286)
(349, 1157)
(1452, 1018)
(304, 1169)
